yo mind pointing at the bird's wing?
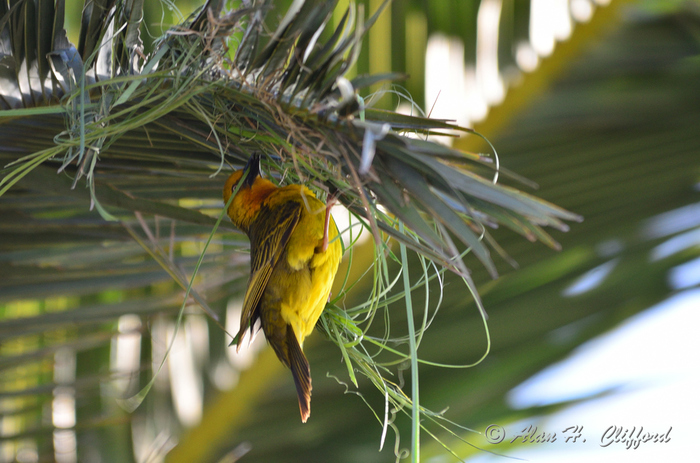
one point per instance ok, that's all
(269, 236)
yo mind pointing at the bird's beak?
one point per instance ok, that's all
(253, 169)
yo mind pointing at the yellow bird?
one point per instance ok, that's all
(294, 256)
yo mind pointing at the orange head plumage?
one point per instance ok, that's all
(252, 192)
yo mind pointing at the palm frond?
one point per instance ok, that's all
(279, 94)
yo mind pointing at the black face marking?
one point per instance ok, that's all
(253, 168)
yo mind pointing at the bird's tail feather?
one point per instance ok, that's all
(301, 372)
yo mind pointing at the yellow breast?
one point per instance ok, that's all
(309, 272)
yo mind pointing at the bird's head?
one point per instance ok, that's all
(251, 172)
(251, 193)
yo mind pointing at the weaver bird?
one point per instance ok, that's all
(294, 256)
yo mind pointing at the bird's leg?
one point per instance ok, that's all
(329, 204)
